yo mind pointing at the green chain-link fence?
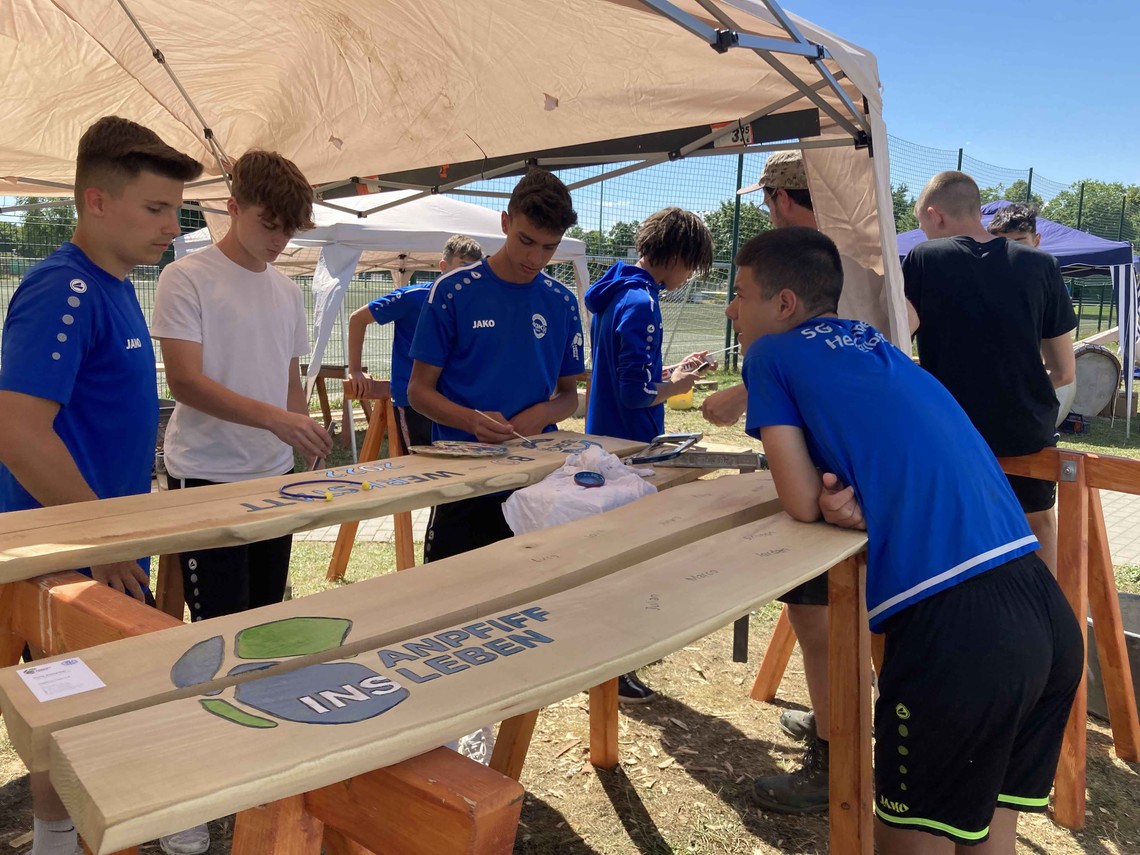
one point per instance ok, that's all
(610, 210)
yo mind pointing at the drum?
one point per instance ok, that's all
(1065, 395)
(1098, 378)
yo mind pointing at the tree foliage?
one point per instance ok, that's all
(1018, 191)
(1109, 209)
(43, 229)
(753, 220)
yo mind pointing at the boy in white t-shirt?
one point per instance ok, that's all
(232, 330)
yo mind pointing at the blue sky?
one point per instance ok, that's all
(1051, 85)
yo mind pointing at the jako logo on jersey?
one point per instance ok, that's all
(134, 343)
(576, 344)
(78, 286)
(539, 324)
(483, 325)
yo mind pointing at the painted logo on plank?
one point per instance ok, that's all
(342, 692)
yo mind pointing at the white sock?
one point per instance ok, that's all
(54, 837)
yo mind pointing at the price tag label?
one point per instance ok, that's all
(741, 135)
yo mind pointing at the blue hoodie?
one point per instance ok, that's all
(626, 338)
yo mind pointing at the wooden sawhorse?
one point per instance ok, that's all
(439, 803)
(1085, 574)
(381, 422)
(336, 372)
(852, 798)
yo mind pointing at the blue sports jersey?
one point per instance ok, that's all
(625, 337)
(402, 309)
(76, 335)
(501, 346)
(938, 508)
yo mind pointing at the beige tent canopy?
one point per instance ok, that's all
(431, 94)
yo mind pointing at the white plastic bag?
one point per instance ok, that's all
(556, 499)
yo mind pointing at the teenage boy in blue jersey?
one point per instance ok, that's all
(402, 308)
(983, 654)
(629, 386)
(77, 385)
(504, 338)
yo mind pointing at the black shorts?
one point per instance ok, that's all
(813, 592)
(459, 527)
(1034, 494)
(415, 427)
(976, 686)
(226, 580)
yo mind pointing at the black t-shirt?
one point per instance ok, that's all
(984, 309)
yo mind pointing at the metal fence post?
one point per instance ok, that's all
(735, 247)
(1080, 206)
(959, 160)
(1120, 225)
(1029, 188)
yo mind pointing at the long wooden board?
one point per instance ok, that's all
(138, 671)
(135, 776)
(78, 535)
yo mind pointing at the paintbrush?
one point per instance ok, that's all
(528, 443)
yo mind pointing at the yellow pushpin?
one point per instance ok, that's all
(367, 485)
(328, 495)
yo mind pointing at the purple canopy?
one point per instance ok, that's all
(1078, 252)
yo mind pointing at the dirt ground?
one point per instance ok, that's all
(687, 763)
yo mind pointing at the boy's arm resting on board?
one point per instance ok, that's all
(1060, 361)
(425, 397)
(724, 408)
(39, 460)
(190, 386)
(533, 420)
(798, 482)
(358, 321)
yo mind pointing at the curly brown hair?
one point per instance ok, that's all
(275, 183)
(113, 151)
(674, 234)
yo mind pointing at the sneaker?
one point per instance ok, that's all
(803, 791)
(632, 691)
(798, 724)
(192, 841)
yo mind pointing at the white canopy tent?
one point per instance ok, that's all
(348, 241)
(430, 95)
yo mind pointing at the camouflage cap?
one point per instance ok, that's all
(783, 170)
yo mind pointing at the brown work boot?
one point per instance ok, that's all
(804, 790)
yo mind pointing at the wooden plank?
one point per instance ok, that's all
(439, 803)
(1072, 574)
(168, 594)
(849, 663)
(604, 725)
(780, 648)
(1111, 648)
(63, 612)
(1102, 472)
(137, 672)
(509, 753)
(11, 642)
(542, 653)
(78, 535)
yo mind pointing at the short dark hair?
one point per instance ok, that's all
(800, 197)
(275, 183)
(113, 151)
(544, 200)
(803, 260)
(673, 234)
(1017, 217)
(461, 246)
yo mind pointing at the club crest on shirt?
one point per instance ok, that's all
(538, 322)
